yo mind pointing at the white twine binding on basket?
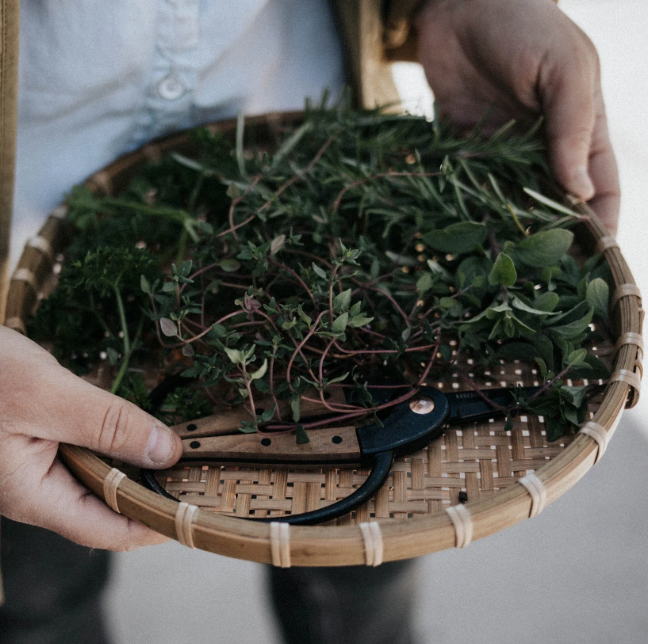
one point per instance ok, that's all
(110, 485)
(280, 544)
(373, 543)
(630, 338)
(463, 525)
(624, 290)
(184, 523)
(43, 245)
(536, 489)
(606, 242)
(25, 275)
(59, 213)
(599, 434)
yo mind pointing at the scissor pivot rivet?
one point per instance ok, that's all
(423, 405)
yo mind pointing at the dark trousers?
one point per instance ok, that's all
(53, 594)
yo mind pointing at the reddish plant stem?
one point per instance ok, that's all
(380, 351)
(351, 415)
(429, 364)
(299, 279)
(481, 394)
(232, 229)
(299, 347)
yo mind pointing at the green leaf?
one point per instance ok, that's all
(342, 301)
(295, 406)
(593, 368)
(268, 414)
(572, 329)
(235, 356)
(551, 203)
(185, 268)
(218, 331)
(277, 244)
(446, 302)
(168, 327)
(168, 287)
(598, 295)
(233, 191)
(548, 301)
(576, 358)
(519, 304)
(305, 318)
(457, 238)
(302, 436)
(577, 395)
(319, 271)
(260, 372)
(543, 368)
(340, 323)
(247, 427)
(503, 272)
(424, 283)
(145, 285)
(359, 320)
(230, 265)
(544, 248)
(338, 378)
(113, 356)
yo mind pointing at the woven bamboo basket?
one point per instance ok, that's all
(470, 483)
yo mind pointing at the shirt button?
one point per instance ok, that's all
(171, 88)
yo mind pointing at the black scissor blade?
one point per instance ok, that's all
(468, 406)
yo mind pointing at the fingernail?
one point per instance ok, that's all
(581, 183)
(161, 445)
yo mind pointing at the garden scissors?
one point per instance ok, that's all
(410, 426)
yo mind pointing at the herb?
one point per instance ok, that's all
(365, 242)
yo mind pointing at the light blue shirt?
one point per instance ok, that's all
(98, 78)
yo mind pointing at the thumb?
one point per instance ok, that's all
(84, 415)
(568, 98)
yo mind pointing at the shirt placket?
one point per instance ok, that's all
(174, 71)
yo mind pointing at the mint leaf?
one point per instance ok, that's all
(457, 238)
(503, 272)
(598, 295)
(544, 248)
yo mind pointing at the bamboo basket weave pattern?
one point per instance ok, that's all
(466, 485)
(478, 460)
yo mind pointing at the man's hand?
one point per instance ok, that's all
(41, 403)
(521, 59)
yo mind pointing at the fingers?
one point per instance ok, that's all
(605, 175)
(567, 90)
(47, 401)
(579, 143)
(54, 500)
(85, 415)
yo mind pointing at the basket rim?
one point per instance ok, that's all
(326, 545)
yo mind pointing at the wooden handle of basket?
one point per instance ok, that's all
(331, 445)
